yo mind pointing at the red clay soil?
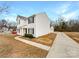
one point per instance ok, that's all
(14, 48)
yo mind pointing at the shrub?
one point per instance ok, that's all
(29, 35)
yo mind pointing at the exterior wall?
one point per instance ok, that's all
(21, 26)
(32, 25)
(42, 24)
(19, 31)
(22, 23)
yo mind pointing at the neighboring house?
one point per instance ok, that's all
(38, 24)
(3, 27)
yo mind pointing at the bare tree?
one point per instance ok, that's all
(4, 8)
(71, 26)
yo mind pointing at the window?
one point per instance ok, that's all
(30, 30)
(31, 20)
(18, 21)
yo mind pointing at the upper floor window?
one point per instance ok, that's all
(30, 20)
(18, 21)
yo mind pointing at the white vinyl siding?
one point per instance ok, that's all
(19, 22)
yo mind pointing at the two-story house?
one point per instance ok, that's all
(38, 24)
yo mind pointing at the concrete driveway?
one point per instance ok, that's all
(63, 47)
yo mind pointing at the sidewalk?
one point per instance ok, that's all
(63, 47)
(33, 43)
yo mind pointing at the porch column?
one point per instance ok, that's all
(22, 31)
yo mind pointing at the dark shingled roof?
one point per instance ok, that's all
(22, 17)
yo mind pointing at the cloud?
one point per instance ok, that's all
(63, 9)
(11, 18)
(71, 15)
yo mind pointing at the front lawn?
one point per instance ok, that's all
(47, 39)
(73, 35)
(9, 47)
(11, 36)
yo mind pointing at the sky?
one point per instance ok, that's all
(53, 9)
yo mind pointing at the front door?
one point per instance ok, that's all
(25, 30)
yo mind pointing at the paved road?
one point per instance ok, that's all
(63, 47)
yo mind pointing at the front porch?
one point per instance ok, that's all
(23, 30)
